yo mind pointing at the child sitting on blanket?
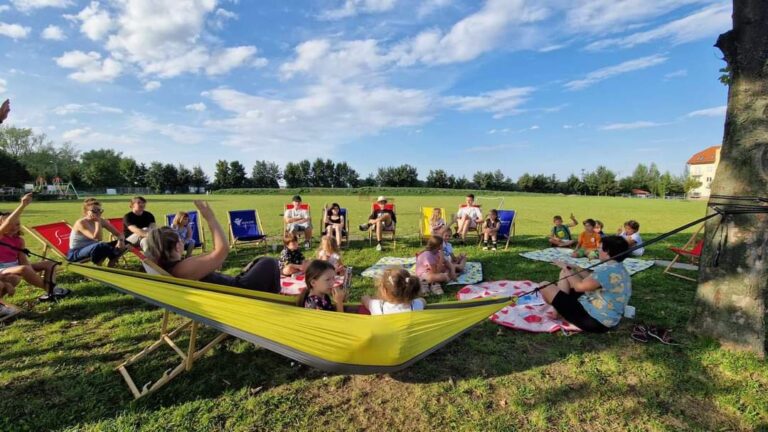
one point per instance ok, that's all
(291, 259)
(329, 251)
(456, 262)
(321, 278)
(561, 233)
(436, 222)
(632, 236)
(491, 229)
(398, 291)
(599, 229)
(431, 268)
(589, 241)
(182, 227)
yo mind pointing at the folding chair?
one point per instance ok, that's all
(118, 224)
(245, 227)
(54, 237)
(345, 231)
(166, 337)
(425, 227)
(302, 206)
(198, 234)
(507, 227)
(692, 250)
(392, 229)
(478, 229)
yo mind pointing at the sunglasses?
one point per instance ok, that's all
(97, 211)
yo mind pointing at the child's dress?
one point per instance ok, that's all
(10, 257)
(381, 307)
(426, 262)
(319, 302)
(183, 232)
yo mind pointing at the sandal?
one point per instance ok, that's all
(56, 294)
(662, 335)
(640, 333)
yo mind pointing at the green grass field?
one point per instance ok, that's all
(57, 360)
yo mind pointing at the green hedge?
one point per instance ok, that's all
(365, 191)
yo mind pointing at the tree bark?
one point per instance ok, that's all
(731, 298)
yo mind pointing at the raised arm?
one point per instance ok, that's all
(91, 234)
(574, 222)
(13, 218)
(199, 266)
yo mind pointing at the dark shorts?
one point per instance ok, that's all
(568, 306)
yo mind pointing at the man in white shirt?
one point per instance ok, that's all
(297, 219)
(469, 216)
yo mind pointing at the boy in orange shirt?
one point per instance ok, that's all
(589, 241)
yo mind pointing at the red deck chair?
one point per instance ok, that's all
(302, 206)
(692, 250)
(392, 229)
(54, 237)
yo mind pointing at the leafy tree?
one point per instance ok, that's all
(525, 182)
(131, 172)
(489, 180)
(294, 177)
(13, 172)
(221, 177)
(461, 183)
(184, 179)
(345, 176)
(606, 181)
(237, 176)
(690, 184)
(198, 178)
(154, 177)
(322, 173)
(170, 177)
(100, 168)
(399, 176)
(369, 181)
(18, 142)
(265, 175)
(573, 185)
(439, 179)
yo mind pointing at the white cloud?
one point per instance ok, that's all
(355, 7)
(196, 107)
(344, 60)
(180, 134)
(718, 111)
(152, 85)
(91, 108)
(632, 125)
(611, 71)
(604, 16)
(14, 31)
(89, 66)
(95, 22)
(229, 59)
(707, 22)
(53, 32)
(4, 8)
(500, 103)
(74, 134)
(325, 116)
(28, 5)
(428, 6)
(220, 18)
(3, 85)
(676, 74)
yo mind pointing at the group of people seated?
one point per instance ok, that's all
(588, 243)
(469, 217)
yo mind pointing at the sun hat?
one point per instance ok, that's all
(381, 198)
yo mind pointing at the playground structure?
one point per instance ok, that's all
(57, 187)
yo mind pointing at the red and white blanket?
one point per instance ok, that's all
(530, 313)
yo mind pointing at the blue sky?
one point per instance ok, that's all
(542, 86)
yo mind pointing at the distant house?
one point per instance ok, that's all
(640, 193)
(702, 167)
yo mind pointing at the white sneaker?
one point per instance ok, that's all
(378, 247)
(485, 247)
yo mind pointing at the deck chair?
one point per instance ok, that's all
(425, 226)
(197, 232)
(54, 237)
(345, 230)
(478, 229)
(302, 206)
(352, 343)
(691, 250)
(245, 227)
(507, 227)
(118, 224)
(391, 230)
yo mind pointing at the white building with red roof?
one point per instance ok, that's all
(702, 167)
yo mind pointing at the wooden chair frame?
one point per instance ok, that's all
(233, 242)
(199, 226)
(687, 247)
(423, 237)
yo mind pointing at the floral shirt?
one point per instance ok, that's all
(288, 256)
(606, 304)
(318, 302)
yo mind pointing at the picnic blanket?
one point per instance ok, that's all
(633, 265)
(473, 271)
(294, 285)
(530, 313)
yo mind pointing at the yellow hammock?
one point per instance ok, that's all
(347, 343)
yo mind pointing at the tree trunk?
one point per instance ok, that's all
(731, 297)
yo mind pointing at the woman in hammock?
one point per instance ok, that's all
(166, 248)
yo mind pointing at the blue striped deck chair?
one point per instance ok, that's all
(197, 232)
(507, 228)
(245, 227)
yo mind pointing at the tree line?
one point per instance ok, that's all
(25, 156)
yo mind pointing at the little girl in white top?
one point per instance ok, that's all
(329, 251)
(398, 292)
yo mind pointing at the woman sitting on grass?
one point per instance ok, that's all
(165, 247)
(593, 302)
